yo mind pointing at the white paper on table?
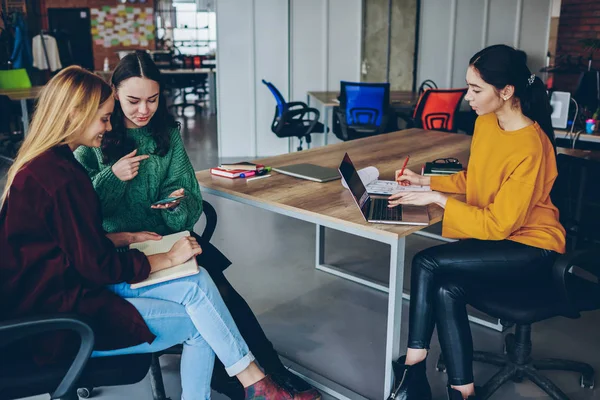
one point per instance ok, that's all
(369, 176)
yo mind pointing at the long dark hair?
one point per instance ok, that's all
(116, 143)
(501, 65)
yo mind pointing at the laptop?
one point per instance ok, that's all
(311, 172)
(376, 209)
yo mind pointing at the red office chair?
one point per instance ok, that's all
(436, 110)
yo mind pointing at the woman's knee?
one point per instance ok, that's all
(450, 292)
(197, 285)
(424, 261)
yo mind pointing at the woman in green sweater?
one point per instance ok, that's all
(143, 160)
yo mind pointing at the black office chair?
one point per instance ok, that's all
(294, 119)
(364, 111)
(564, 294)
(21, 377)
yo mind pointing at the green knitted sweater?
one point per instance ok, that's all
(126, 205)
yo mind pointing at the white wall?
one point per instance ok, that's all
(451, 31)
(298, 45)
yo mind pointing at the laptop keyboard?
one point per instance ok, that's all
(381, 211)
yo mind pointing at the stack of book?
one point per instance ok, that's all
(441, 169)
(239, 170)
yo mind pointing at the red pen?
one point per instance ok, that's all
(246, 174)
(403, 166)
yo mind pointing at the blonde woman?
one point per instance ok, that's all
(57, 258)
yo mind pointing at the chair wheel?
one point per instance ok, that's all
(85, 393)
(586, 381)
(440, 366)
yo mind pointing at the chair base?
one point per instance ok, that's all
(517, 364)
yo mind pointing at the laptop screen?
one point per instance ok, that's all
(356, 186)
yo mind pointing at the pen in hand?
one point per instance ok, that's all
(402, 170)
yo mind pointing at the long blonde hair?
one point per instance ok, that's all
(66, 107)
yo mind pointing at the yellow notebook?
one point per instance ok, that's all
(151, 247)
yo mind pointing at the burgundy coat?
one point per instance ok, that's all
(55, 257)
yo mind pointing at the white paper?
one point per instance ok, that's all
(369, 177)
(391, 187)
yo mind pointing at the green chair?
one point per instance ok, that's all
(14, 79)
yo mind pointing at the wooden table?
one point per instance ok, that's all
(330, 205)
(581, 136)
(398, 99)
(23, 95)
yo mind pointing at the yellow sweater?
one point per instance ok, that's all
(507, 183)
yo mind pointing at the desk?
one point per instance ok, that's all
(584, 137)
(23, 95)
(212, 86)
(330, 205)
(398, 99)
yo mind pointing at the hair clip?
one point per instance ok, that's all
(531, 79)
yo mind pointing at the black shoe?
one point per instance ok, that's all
(410, 381)
(229, 386)
(294, 384)
(454, 394)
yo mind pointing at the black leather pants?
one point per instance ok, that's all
(448, 277)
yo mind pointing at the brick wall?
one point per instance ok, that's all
(579, 19)
(100, 52)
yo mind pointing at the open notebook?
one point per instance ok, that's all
(369, 177)
(151, 247)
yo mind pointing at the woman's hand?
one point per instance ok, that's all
(124, 239)
(411, 178)
(173, 204)
(128, 166)
(137, 237)
(184, 249)
(418, 199)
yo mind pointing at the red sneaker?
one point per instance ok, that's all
(267, 389)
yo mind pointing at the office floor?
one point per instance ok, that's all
(332, 326)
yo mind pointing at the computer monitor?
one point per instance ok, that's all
(560, 109)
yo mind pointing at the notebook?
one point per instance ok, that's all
(151, 247)
(370, 178)
(309, 171)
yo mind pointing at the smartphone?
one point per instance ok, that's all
(167, 200)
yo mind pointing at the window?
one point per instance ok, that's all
(195, 31)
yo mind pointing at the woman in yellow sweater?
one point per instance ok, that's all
(509, 226)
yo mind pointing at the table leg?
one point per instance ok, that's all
(377, 285)
(25, 116)
(212, 96)
(333, 270)
(394, 319)
(325, 124)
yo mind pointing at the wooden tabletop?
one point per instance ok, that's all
(22, 94)
(584, 137)
(398, 98)
(332, 201)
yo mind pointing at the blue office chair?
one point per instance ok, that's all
(364, 110)
(294, 119)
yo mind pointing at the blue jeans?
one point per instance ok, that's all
(189, 311)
